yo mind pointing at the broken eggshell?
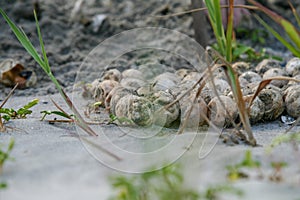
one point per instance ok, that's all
(12, 72)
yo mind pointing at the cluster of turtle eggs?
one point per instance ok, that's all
(143, 100)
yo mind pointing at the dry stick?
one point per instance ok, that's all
(82, 124)
(9, 95)
(202, 9)
(218, 96)
(2, 127)
(100, 148)
(293, 125)
(243, 112)
(265, 82)
(203, 78)
(62, 110)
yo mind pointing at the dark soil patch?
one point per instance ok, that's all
(68, 42)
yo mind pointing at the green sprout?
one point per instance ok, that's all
(121, 120)
(3, 185)
(212, 193)
(163, 184)
(276, 176)
(5, 155)
(58, 113)
(21, 113)
(235, 172)
(293, 138)
(44, 64)
(224, 40)
(291, 31)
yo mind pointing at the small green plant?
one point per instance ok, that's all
(44, 64)
(291, 31)
(3, 185)
(293, 138)
(121, 120)
(256, 35)
(224, 40)
(213, 192)
(5, 155)
(164, 184)
(21, 113)
(235, 172)
(276, 176)
(45, 113)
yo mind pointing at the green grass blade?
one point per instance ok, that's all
(46, 62)
(288, 27)
(294, 50)
(31, 104)
(214, 13)
(219, 24)
(296, 15)
(23, 39)
(292, 32)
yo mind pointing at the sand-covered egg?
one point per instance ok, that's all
(100, 89)
(222, 114)
(164, 116)
(249, 77)
(241, 67)
(114, 96)
(112, 74)
(276, 72)
(256, 110)
(273, 102)
(292, 100)
(267, 64)
(136, 109)
(198, 114)
(293, 66)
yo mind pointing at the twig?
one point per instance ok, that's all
(202, 9)
(2, 127)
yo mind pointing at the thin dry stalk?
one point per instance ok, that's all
(203, 9)
(2, 127)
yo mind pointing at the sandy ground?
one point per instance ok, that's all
(51, 164)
